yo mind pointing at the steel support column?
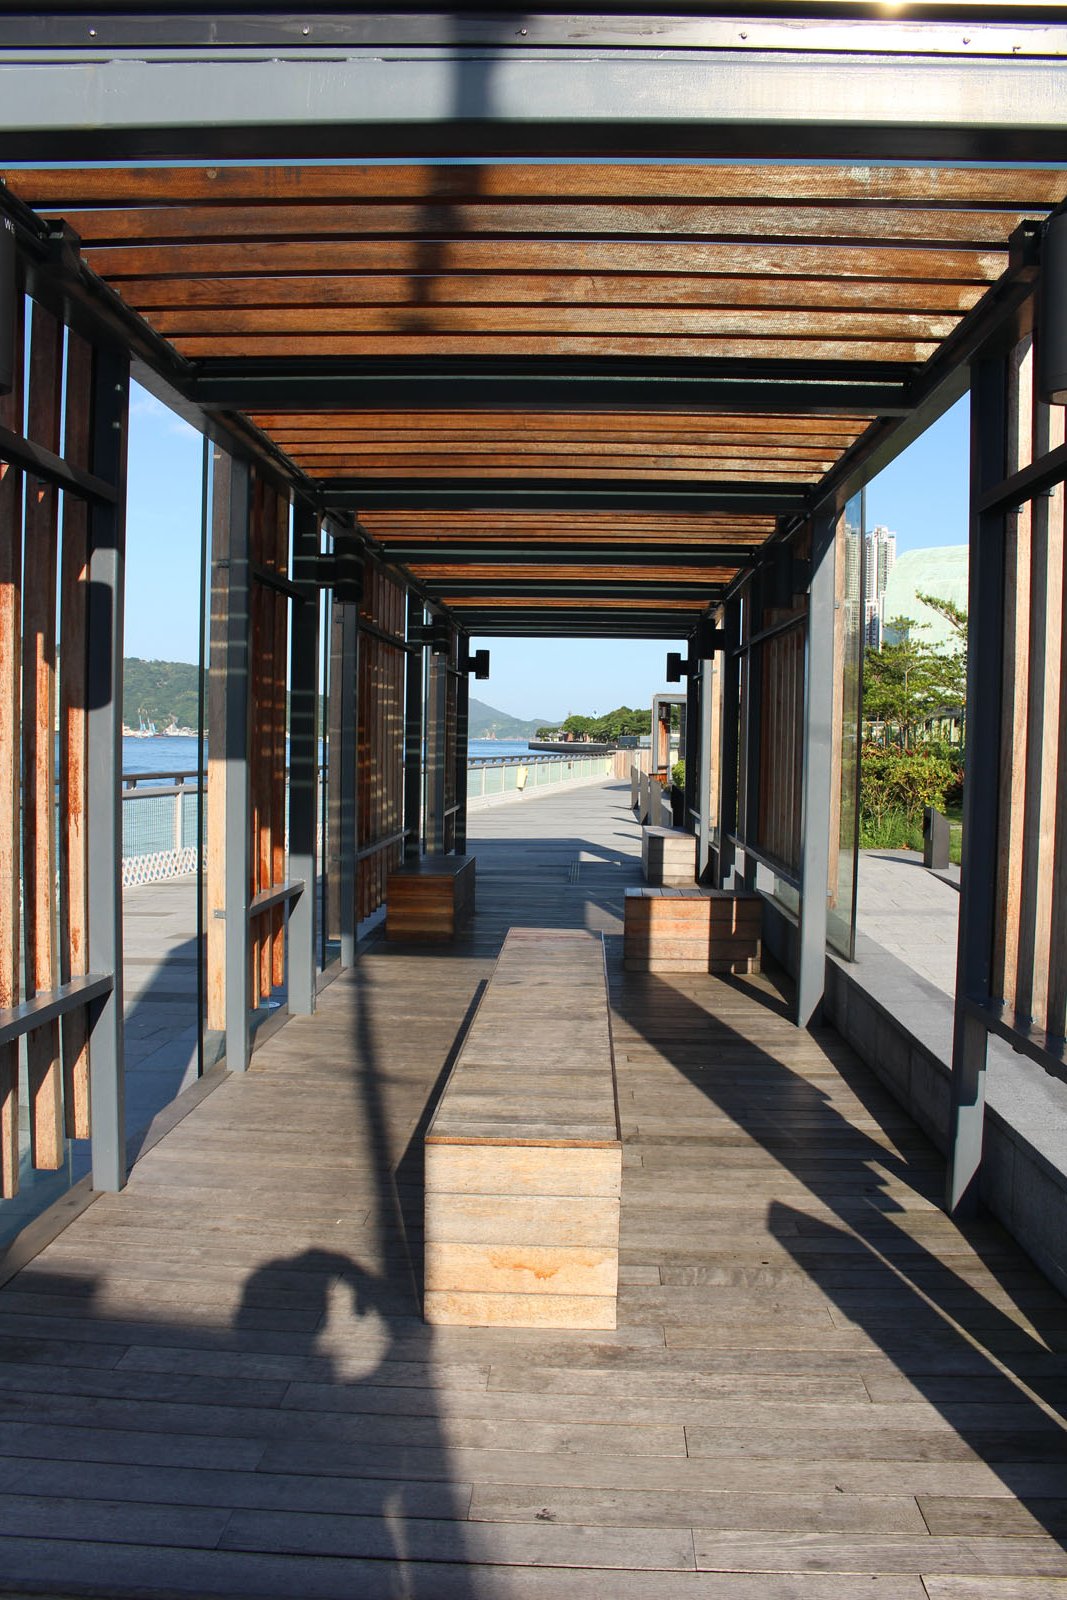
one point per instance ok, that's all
(463, 697)
(414, 713)
(691, 747)
(985, 651)
(304, 762)
(233, 573)
(751, 722)
(817, 778)
(704, 777)
(107, 561)
(349, 818)
(729, 742)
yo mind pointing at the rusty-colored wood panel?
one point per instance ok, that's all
(519, 320)
(548, 217)
(40, 572)
(754, 257)
(216, 750)
(73, 727)
(416, 291)
(696, 427)
(280, 658)
(349, 345)
(1016, 651)
(11, 488)
(749, 182)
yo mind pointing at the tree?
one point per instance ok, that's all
(903, 682)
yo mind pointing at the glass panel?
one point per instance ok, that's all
(841, 905)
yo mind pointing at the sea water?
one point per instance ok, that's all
(177, 753)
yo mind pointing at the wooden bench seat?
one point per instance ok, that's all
(691, 930)
(429, 899)
(524, 1155)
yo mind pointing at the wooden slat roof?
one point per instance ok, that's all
(819, 269)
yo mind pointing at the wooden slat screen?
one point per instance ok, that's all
(1030, 946)
(10, 764)
(781, 744)
(380, 801)
(43, 593)
(269, 543)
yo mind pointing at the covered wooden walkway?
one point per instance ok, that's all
(218, 1382)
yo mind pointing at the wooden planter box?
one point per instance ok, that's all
(691, 930)
(668, 857)
(429, 899)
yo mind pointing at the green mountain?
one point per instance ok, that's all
(162, 689)
(488, 723)
(168, 689)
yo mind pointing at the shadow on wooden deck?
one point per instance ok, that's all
(218, 1383)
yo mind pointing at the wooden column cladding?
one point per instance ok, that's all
(10, 764)
(73, 702)
(40, 571)
(380, 802)
(270, 622)
(1030, 942)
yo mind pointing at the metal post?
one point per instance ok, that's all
(691, 748)
(704, 780)
(435, 766)
(414, 709)
(238, 846)
(729, 742)
(752, 714)
(303, 762)
(463, 697)
(107, 564)
(349, 821)
(817, 778)
(985, 652)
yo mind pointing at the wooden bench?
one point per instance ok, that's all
(429, 899)
(668, 856)
(691, 930)
(524, 1155)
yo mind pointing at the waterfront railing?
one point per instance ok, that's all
(160, 822)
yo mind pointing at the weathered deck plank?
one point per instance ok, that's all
(219, 1382)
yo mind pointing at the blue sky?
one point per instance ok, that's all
(922, 497)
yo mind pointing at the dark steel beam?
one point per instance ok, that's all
(471, 552)
(560, 494)
(577, 589)
(812, 97)
(602, 384)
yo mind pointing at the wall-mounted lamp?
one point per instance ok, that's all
(1052, 313)
(677, 667)
(478, 664)
(342, 571)
(8, 300)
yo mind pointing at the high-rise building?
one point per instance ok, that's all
(880, 553)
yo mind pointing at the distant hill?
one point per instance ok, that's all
(488, 723)
(168, 689)
(163, 689)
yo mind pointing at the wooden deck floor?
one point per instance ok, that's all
(218, 1383)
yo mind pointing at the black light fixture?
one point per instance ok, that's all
(7, 305)
(1052, 313)
(342, 571)
(677, 666)
(440, 636)
(478, 664)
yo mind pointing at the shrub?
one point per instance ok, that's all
(903, 782)
(678, 774)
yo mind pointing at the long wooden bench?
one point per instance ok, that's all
(524, 1155)
(691, 930)
(429, 899)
